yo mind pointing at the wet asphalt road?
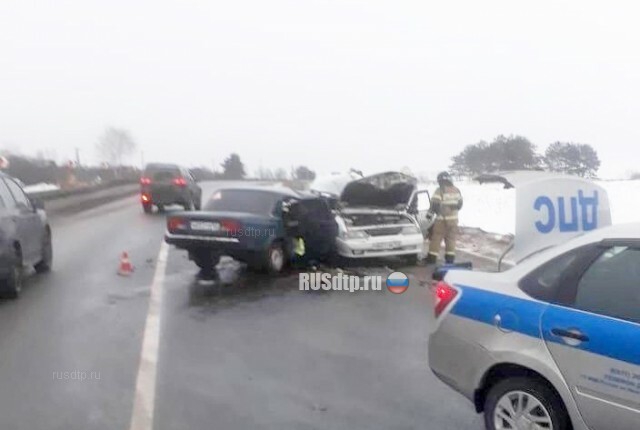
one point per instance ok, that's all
(254, 354)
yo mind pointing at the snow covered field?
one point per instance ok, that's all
(492, 208)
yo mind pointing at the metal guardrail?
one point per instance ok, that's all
(66, 202)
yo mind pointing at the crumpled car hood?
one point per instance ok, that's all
(391, 190)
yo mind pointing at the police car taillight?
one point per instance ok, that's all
(444, 295)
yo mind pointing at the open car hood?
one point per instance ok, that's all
(387, 190)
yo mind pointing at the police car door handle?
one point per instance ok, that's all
(570, 334)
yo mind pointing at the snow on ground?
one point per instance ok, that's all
(624, 199)
(41, 188)
(492, 208)
(489, 207)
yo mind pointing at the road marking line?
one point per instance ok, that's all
(145, 393)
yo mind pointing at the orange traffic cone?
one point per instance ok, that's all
(126, 268)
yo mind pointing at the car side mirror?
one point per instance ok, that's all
(37, 203)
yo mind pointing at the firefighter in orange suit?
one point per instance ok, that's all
(445, 204)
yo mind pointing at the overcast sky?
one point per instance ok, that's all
(331, 84)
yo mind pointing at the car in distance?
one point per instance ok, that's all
(255, 225)
(25, 236)
(381, 215)
(168, 184)
(552, 343)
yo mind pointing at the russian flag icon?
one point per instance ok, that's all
(397, 282)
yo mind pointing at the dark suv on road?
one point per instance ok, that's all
(168, 184)
(25, 236)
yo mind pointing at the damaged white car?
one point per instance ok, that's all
(381, 215)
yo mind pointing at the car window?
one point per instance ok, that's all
(316, 209)
(423, 201)
(420, 202)
(544, 282)
(187, 175)
(7, 200)
(611, 285)
(19, 196)
(162, 173)
(250, 201)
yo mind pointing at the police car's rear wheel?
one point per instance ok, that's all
(524, 404)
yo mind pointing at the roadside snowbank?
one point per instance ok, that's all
(41, 188)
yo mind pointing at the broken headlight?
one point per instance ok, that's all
(411, 230)
(355, 234)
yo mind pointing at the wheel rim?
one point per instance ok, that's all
(277, 259)
(517, 410)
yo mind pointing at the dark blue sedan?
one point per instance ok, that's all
(260, 226)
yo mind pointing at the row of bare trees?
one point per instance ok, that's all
(115, 145)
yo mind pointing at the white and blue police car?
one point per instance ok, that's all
(552, 343)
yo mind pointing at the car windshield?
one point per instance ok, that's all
(162, 173)
(250, 201)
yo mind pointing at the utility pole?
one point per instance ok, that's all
(78, 157)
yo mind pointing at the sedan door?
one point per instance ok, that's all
(419, 208)
(29, 228)
(595, 339)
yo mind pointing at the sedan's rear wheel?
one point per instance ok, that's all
(276, 259)
(147, 208)
(12, 285)
(523, 403)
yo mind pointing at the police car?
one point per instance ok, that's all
(552, 343)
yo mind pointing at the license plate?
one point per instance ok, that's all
(386, 245)
(205, 226)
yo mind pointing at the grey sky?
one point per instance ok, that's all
(331, 84)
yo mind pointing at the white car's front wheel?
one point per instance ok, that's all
(522, 403)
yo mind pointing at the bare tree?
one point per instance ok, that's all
(280, 174)
(264, 173)
(114, 145)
